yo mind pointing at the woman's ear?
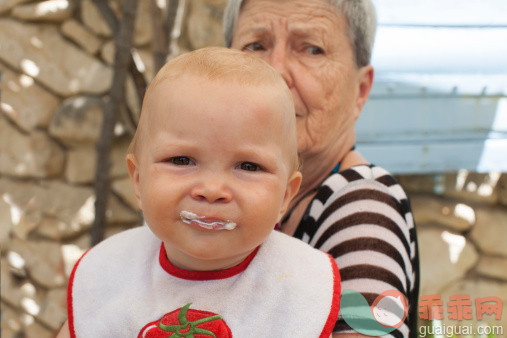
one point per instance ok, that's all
(291, 190)
(133, 168)
(364, 84)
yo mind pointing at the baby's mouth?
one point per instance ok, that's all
(205, 222)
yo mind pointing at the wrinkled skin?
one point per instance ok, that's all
(306, 41)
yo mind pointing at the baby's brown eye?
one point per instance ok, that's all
(248, 166)
(180, 160)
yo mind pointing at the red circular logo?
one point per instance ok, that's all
(390, 308)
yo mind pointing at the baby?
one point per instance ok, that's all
(214, 166)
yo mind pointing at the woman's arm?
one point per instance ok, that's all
(367, 226)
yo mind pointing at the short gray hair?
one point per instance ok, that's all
(360, 15)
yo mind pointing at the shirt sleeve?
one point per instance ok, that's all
(366, 224)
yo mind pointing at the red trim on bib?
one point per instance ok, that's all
(335, 305)
(203, 275)
(70, 308)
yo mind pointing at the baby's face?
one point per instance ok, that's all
(213, 158)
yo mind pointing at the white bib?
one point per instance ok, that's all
(126, 287)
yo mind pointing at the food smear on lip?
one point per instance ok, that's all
(189, 217)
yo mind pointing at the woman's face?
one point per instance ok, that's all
(306, 41)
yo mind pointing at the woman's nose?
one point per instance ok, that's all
(212, 190)
(279, 60)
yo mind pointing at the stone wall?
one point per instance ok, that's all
(55, 60)
(462, 232)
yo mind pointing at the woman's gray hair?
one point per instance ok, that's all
(360, 15)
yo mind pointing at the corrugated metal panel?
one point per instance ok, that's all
(442, 12)
(439, 98)
(413, 119)
(433, 157)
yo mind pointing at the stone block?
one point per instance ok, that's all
(50, 59)
(78, 211)
(7, 5)
(43, 260)
(6, 221)
(490, 231)
(11, 325)
(34, 329)
(10, 291)
(494, 267)
(50, 227)
(54, 309)
(471, 187)
(66, 209)
(94, 21)
(76, 32)
(125, 189)
(82, 161)
(476, 288)
(34, 155)
(29, 220)
(25, 102)
(107, 52)
(202, 26)
(432, 209)
(143, 27)
(78, 120)
(81, 243)
(119, 214)
(444, 257)
(72, 253)
(50, 10)
(81, 165)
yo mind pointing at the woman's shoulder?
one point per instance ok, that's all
(361, 178)
(360, 194)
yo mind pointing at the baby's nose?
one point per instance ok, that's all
(212, 190)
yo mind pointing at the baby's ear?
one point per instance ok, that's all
(133, 168)
(293, 184)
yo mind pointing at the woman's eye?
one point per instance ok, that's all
(255, 46)
(313, 50)
(181, 160)
(248, 166)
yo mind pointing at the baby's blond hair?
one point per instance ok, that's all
(224, 65)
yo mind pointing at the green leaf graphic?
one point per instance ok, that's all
(357, 313)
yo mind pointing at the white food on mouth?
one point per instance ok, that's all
(188, 217)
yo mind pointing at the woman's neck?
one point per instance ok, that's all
(318, 165)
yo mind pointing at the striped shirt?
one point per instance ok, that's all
(362, 217)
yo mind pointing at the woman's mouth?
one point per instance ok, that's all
(206, 222)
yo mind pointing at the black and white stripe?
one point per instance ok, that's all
(362, 217)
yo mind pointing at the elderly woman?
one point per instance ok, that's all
(346, 206)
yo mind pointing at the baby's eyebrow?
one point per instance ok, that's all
(180, 144)
(257, 155)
